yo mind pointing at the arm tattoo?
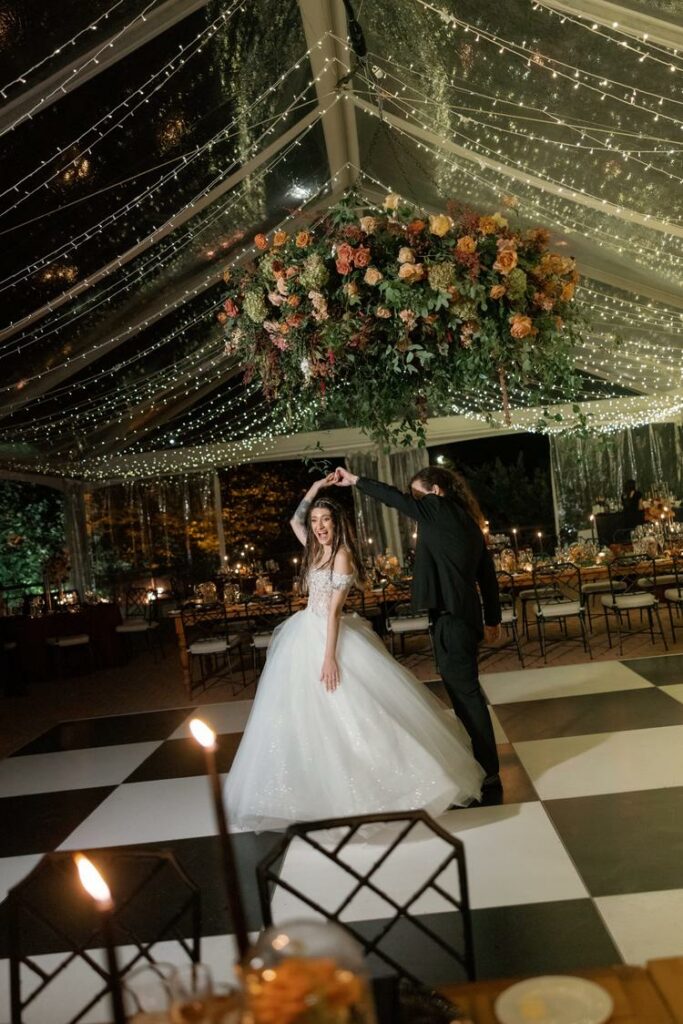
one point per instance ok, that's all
(302, 511)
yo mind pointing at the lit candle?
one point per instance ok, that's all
(206, 738)
(514, 538)
(97, 888)
(540, 540)
(593, 528)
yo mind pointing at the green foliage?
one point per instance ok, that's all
(31, 531)
(386, 317)
(510, 495)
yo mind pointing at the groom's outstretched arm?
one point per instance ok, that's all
(423, 510)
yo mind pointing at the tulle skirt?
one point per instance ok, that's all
(380, 742)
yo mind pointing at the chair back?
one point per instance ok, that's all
(506, 588)
(559, 582)
(48, 912)
(138, 605)
(355, 600)
(623, 573)
(329, 877)
(204, 621)
(677, 570)
(265, 611)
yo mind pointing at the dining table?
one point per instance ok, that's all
(30, 633)
(649, 994)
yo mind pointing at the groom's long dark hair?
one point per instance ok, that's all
(454, 485)
(344, 537)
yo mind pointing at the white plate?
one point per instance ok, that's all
(554, 999)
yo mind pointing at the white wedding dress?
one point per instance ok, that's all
(379, 742)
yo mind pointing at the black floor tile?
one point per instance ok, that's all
(39, 822)
(537, 938)
(107, 732)
(177, 759)
(199, 858)
(660, 671)
(624, 842)
(589, 713)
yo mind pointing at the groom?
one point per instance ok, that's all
(451, 558)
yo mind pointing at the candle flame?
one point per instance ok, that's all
(91, 880)
(203, 733)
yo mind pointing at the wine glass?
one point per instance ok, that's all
(147, 993)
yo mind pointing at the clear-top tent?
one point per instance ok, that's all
(144, 144)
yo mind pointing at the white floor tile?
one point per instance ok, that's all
(14, 869)
(229, 716)
(674, 690)
(644, 925)
(618, 762)
(72, 769)
(148, 812)
(513, 856)
(78, 983)
(560, 681)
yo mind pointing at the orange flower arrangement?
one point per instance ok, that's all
(305, 990)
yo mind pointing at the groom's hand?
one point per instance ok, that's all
(343, 478)
(492, 634)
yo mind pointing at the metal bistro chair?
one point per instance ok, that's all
(508, 617)
(207, 633)
(674, 595)
(140, 618)
(623, 600)
(398, 928)
(264, 613)
(66, 642)
(156, 902)
(527, 597)
(401, 621)
(558, 599)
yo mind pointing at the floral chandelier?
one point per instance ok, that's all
(379, 318)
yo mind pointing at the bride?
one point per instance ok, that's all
(338, 727)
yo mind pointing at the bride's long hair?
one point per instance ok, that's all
(344, 537)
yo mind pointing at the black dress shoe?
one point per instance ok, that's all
(492, 782)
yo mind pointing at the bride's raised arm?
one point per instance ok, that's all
(298, 520)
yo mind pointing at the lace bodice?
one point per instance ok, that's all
(321, 585)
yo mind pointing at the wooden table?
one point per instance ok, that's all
(641, 995)
(591, 573)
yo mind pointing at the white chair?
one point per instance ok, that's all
(623, 600)
(559, 599)
(404, 623)
(60, 645)
(139, 618)
(211, 646)
(674, 595)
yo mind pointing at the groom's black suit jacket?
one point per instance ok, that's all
(451, 557)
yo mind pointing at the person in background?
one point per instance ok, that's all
(632, 505)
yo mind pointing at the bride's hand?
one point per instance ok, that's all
(326, 481)
(330, 674)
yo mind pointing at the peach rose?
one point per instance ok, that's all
(406, 255)
(497, 291)
(521, 326)
(544, 301)
(382, 312)
(303, 239)
(221, 317)
(351, 288)
(373, 276)
(279, 238)
(392, 201)
(567, 292)
(345, 252)
(343, 267)
(368, 225)
(440, 224)
(293, 301)
(361, 256)
(466, 244)
(411, 272)
(506, 261)
(261, 242)
(230, 308)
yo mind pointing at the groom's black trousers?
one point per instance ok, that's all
(456, 644)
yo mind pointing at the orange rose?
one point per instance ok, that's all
(279, 238)
(303, 239)
(261, 242)
(567, 292)
(221, 317)
(466, 244)
(345, 252)
(373, 276)
(361, 257)
(293, 301)
(487, 226)
(497, 291)
(521, 326)
(411, 272)
(416, 226)
(506, 261)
